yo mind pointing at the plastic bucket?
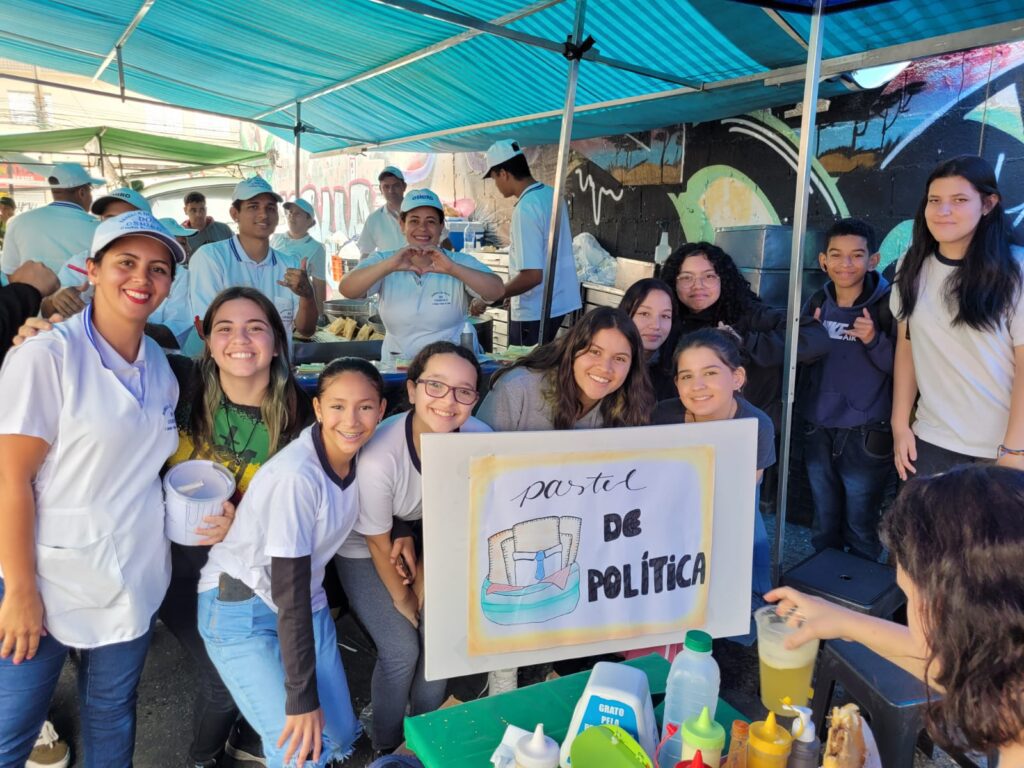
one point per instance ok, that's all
(186, 503)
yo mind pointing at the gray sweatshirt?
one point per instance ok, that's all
(517, 404)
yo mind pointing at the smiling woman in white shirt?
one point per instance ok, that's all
(424, 289)
(87, 423)
(378, 563)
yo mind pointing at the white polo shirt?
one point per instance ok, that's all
(295, 506)
(175, 311)
(528, 249)
(51, 234)
(389, 481)
(102, 562)
(419, 309)
(964, 376)
(224, 264)
(306, 247)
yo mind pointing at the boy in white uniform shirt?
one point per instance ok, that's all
(528, 248)
(248, 259)
(57, 231)
(299, 244)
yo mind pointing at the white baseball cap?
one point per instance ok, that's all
(391, 171)
(124, 194)
(134, 223)
(500, 152)
(419, 198)
(253, 186)
(71, 175)
(302, 205)
(176, 229)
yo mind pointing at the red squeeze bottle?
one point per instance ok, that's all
(697, 762)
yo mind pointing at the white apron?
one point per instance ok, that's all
(102, 562)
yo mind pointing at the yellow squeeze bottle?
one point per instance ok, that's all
(768, 744)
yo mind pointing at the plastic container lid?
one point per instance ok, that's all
(769, 737)
(698, 641)
(702, 732)
(537, 750)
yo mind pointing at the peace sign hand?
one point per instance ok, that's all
(297, 280)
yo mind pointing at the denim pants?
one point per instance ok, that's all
(398, 674)
(108, 681)
(848, 470)
(241, 639)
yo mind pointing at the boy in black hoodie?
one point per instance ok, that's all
(846, 396)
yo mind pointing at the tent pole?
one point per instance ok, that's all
(298, 147)
(808, 147)
(572, 53)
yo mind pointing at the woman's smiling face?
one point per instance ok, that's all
(601, 368)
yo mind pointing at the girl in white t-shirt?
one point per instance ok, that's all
(958, 298)
(378, 564)
(87, 422)
(263, 611)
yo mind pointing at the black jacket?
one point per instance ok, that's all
(18, 302)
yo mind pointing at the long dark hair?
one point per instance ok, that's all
(719, 340)
(279, 409)
(959, 537)
(629, 406)
(736, 293)
(989, 279)
(635, 296)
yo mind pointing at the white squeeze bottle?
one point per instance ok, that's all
(692, 685)
(536, 750)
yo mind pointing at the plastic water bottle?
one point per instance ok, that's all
(692, 684)
(467, 337)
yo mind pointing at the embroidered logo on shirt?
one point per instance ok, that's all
(170, 423)
(441, 299)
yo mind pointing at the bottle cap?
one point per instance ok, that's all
(803, 726)
(740, 729)
(537, 750)
(769, 737)
(702, 732)
(696, 762)
(698, 641)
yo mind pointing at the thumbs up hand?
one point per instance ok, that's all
(297, 280)
(863, 328)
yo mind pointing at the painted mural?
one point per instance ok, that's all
(875, 149)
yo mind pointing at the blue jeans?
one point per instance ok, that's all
(241, 639)
(761, 571)
(848, 470)
(108, 680)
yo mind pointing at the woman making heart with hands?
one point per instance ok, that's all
(424, 290)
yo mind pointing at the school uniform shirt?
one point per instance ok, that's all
(296, 506)
(672, 412)
(173, 312)
(519, 402)
(390, 483)
(225, 264)
(50, 234)
(419, 309)
(102, 561)
(382, 231)
(528, 249)
(305, 247)
(964, 376)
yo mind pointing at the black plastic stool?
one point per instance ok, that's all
(892, 699)
(852, 582)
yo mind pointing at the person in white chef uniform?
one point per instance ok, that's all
(87, 423)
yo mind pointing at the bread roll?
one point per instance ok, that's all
(845, 745)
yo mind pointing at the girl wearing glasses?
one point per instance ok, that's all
(378, 564)
(714, 294)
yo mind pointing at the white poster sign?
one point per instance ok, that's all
(548, 545)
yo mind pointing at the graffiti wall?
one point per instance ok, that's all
(875, 149)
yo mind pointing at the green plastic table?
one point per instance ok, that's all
(465, 736)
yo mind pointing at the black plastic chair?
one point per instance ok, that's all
(853, 582)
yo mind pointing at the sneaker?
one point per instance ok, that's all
(50, 751)
(502, 680)
(244, 744)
